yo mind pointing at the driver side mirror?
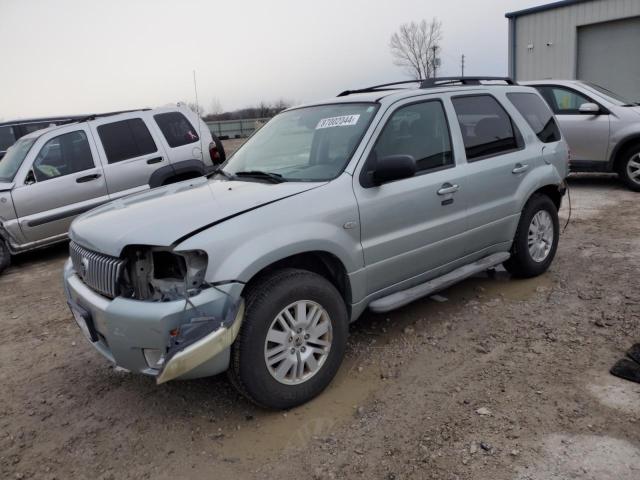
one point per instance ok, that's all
(589, 109)
(394, 167)
(30, 179)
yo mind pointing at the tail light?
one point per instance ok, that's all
(214, 153)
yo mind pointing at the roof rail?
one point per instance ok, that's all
(93, 116)
(444, 81)
(380, 87)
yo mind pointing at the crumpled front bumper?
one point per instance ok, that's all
(125, 328)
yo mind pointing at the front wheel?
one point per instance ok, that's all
(5, 255)
(536, 240)
(629, 168)
(292, 340)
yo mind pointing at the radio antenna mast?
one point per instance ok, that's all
(195, 88)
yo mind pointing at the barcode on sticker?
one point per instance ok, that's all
(343, 121)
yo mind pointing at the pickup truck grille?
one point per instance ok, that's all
(98, 271)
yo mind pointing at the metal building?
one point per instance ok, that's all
(594, 40)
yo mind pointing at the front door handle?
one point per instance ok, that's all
(88, 178)
(520, 167)
(447, 188)
(154, 160)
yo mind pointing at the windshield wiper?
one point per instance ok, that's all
(272, 177)
(219, 171)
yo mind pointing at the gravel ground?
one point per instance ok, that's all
(501, 379)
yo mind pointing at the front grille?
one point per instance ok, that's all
(100, 272)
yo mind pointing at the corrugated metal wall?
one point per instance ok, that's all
(546, 41)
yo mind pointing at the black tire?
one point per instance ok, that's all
(264, 300)
(220, 148)
(5, 255)
(521, 263)
(630, 154)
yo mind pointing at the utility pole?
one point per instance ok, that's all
(462, 65)
(435, 61)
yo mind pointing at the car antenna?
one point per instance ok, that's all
(195, 88)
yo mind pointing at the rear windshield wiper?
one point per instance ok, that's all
(272, 177)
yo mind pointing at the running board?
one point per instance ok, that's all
(404, 297)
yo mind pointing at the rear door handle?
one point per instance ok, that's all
(447, 188)
(154, 160)
(520, 167)
(88, 178)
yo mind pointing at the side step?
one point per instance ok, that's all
(404, 297)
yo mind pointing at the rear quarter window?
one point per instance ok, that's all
(126, 139)
(537, 114)
(177, 130)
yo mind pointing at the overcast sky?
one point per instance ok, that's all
(85, 56)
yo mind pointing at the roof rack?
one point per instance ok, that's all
(433, 83)
(380, 87)
(93, 116)
(444, 81)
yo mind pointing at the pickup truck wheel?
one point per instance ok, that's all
(5, 256)
(629, 168)
(536, 240)
(292, 339)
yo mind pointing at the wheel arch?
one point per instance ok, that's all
(321, 262)
(176, 172)
(616, 155)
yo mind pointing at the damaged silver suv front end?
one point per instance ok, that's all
(150, 310)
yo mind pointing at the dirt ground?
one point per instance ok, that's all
(500, 379)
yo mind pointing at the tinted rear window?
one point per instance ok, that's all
(126, 139)
(537, 114)
(7, 137)
(176, 129)
(487, 129)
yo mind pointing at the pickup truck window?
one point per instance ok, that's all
(537, 114)
(176, 129)
(487, 129)
(126, 139)
(419, 130)
(63, 155)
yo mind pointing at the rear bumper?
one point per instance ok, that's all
(126, 327)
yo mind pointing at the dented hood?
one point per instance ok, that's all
(161, 216)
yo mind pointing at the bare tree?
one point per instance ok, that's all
(194, 107)
(215, 107)
(415, 47)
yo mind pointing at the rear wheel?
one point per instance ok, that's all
(629, 168)
(292, 340)
(5, 255)
(536, 240)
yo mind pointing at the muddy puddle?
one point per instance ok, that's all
(273, 433)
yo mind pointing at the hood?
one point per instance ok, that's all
(4, 186)
(161, 216)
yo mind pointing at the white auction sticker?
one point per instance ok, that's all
(343, 121)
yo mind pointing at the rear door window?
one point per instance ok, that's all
(176, 129)
(63, 155)
(537, 114)
(126, 139)
(487, 129)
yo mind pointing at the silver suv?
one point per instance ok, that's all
(50, 176)
(375, 198)
(601, 127)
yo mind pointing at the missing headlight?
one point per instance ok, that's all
(161, 274)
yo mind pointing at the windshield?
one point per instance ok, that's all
(615, 97)
(306, 144)
(14, 157)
